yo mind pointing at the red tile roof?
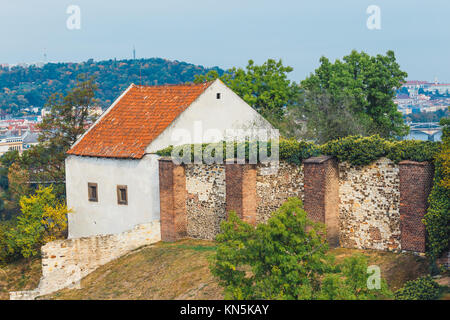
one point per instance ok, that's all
(136, 119)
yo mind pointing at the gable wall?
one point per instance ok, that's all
(210, 113)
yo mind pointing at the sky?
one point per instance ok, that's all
(227, 33)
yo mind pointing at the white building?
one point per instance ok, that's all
(112, 173)
(442, 88)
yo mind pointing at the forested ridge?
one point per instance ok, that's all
(31, 86)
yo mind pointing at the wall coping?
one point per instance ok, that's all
(166, 159)
(413, 163)
(320, 159)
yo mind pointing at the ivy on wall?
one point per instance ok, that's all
(437, 219)
(356, 150)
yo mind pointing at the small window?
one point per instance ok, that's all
(92, 192)
(218, 95)
(122, 195)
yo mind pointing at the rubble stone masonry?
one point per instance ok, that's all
(205, 201)
(369, 214)
(376, 206)
(274, 189)
(206, 187)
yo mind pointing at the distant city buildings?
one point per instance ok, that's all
(17, 134)
(22, 133)
(423, 97)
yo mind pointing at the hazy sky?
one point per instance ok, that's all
(227, 33)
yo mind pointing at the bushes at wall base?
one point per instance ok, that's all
(287, 258)
(424, 288)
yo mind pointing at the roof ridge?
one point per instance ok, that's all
(174, 84)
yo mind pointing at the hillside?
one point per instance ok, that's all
(180, 271)
(22, 87)
(23, 274)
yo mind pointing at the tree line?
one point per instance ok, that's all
(23, 87)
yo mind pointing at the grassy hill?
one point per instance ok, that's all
(22, 87)
(180, 271)
(162, 271)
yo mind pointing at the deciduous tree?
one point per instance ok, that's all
(265, 87)
(359, 89)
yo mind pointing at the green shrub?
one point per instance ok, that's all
(420, 289)
(349, 282)
(42, 219)
(282, 259)
(437, 218)
(286, 259)
(289, 150)
(294, 151)
(413, 150)
(357, 150)
(5, 254)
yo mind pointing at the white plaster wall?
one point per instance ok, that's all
(228, 112)
(106, 216)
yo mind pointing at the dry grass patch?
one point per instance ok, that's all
(19, 275)
(396, 268)
(162, 271)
